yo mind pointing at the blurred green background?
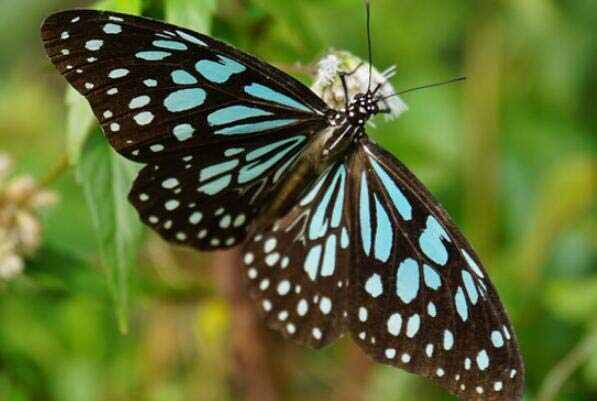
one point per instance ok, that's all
(510, 153)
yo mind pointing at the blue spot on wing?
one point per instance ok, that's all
(217, 169)
(374, 286)
(431, 277)
(312, 262)
(396, 195)
(344, 239)
(413, 325)
(461, 306)
(216, 186)
(258, 167)
(472, 264)
(470, 287)
(182, 132)
(112, 28)
(431, 243)
(265, 93)
(152, 55)
(448, 340)
(319, 223)
(255, 127)
(497, 339)
(365, 215)
(482, 360)
(329, 257)
(191, 38)
(407, 280)
(231, 114)
(315, 190)
(170, 44)
(185, 99)
(339, 204)
(182, 77)
(219, 72)
(384, 237)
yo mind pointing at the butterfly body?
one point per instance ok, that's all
(337, 235)
(328, 146)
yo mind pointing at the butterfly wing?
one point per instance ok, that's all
(209, 200)
(297, 269)
(419, 297)
(165, 95)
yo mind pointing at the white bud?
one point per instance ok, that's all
(5, 166)
(10, 266)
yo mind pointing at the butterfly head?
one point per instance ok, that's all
(362, 108)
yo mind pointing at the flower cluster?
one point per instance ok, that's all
(328, 85)
(20, 229)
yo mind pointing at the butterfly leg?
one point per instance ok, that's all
(355, 69)
(343, 76)
(377, 88)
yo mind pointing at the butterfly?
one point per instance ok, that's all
(337, 235)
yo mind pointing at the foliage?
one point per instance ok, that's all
(511, 154)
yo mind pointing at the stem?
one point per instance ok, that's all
(297, 68)
(56, 172)
(558, 375)
(253, 377)
(484, 58)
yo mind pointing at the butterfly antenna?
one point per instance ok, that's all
(368, 10)
(449, 81)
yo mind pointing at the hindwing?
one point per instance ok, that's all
(297, 269)
(420, 298)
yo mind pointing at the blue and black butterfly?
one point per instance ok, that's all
(338, 235)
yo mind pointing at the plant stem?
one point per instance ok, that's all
(56, 172)
(558, 375)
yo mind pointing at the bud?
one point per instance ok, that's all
(11, 265)
(21, 198)
(328, 85)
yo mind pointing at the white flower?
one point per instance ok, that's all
(20, 227)
(11, 265)
(328, 85)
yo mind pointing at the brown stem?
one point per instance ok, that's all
(56, 172)
(556, 378)
(484, 59)
(253, 378)
(357, 376)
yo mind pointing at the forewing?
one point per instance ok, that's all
(297, 269)
(420, 298)
(158, 89)
(217, 128)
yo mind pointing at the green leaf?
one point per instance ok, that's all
(106, 178)
(573, 300)
(192, 14)
(80, 117)
(123, 6)
(79, 124)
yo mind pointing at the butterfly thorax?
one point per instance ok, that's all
(361, 109)
(327, 147)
